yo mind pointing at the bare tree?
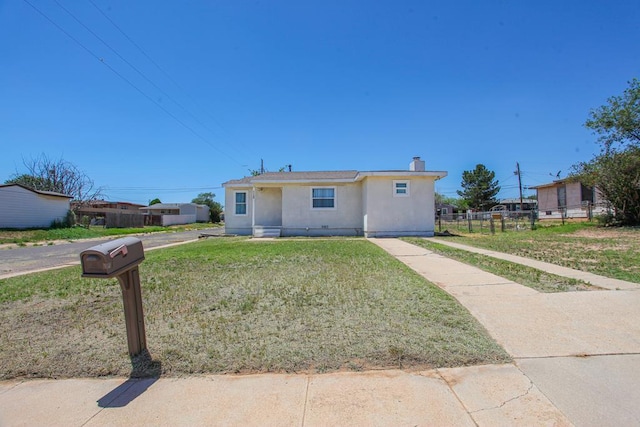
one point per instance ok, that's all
(60, 176)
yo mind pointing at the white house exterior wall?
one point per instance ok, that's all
(168, 220)
(22, 208)
(299, 218)
(202, 213)
(237, 224)
(393, 215)
(269, 202)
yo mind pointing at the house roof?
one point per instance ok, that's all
(44, 193)
(550, 184)
(322, 176)
(165, 206)
(110, 202)
(171, 205)
(294, 176)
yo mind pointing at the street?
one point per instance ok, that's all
(24, 259)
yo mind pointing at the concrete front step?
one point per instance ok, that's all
(266, 231)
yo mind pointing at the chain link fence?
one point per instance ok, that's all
(491, 222)
(487, 222)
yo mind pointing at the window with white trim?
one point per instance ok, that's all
(323, 198)
(401, 188)
(241, 203)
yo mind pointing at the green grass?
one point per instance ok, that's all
(610, 252)
(527, 276)
(22, 237)
(238, 305)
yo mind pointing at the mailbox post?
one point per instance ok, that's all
(120, 258)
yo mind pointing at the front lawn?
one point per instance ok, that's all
(238, 305)
(21, 237)
(610, 252)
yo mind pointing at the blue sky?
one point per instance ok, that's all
(325, 85)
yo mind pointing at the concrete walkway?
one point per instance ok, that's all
(577, 359)
(594, 279)
(580, 349)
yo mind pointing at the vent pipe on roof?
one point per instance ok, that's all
(416, 165)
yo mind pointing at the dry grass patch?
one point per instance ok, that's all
(605, 251)
(228, 305)
(524, 275)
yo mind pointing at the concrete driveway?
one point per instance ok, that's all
(581, 349)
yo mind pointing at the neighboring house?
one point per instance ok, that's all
(513, 205)
(570, 199)
(22, 207)
(332, 203)
(178, 213)
(95, 208)
(445, 209)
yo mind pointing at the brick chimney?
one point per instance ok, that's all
(416, 165)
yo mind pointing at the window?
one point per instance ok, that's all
(444, 211)
(323, 198)
(400, 188)
(241, 203)
(562, 196)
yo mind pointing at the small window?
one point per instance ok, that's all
(444, 211)
(241, 203)
(401, 188)
(323, 198)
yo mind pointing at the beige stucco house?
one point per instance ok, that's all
(570, 199)
(22, 207)
(333, 203)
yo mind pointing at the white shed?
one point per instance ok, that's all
(178, 213)
(22, 207)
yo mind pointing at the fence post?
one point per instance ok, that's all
(469, 220)
(492, 226)
(502, 223)
(532, 214)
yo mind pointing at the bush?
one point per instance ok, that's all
(605, 219)
(68, 221)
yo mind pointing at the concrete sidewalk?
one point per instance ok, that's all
(594, 279)
(580, 349)
(480, 395)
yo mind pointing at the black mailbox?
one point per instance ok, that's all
(112, 258)
(120, 258)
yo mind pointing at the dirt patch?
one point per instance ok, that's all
(602, 233)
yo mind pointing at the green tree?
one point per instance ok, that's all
(616, 174)
(618, 122)
(215, 208)
(459, 203)
(615, 171)
(33, 182)
(154, 201)
(479, 188)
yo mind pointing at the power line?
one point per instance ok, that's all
(132, 66)
(90, 52)
(178, 189)
(155, 63)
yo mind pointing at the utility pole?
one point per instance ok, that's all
(261, 166)
(517, 172)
